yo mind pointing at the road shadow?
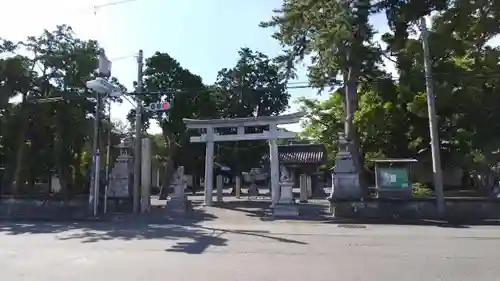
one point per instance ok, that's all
(154, 225)
(257, 233)
(197, 246)
(184, 235)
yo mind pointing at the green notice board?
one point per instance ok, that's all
(393, 178)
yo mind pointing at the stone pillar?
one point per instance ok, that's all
(286, 193)
(274, 176)
(158, 176)
(178, 203)
(220, 184)
(303, 188)
(275, 167)
(286, 206)
(238, 186)
(146, 175)
(209, 168)
(309, 186)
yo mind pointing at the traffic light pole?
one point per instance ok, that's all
(138, 137)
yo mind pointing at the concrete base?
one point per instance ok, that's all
(178, 206)
(346, 186)
(37, 209)
(285, 210)
(253, 191)
(345, 183)
(416, 208)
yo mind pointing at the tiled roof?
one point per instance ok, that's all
(301, 154)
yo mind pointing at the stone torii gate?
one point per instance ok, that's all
(210, 136)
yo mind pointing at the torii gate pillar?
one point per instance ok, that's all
(274, 165)
(209, 168)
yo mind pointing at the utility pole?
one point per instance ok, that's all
(94, 181)
(138, 137)
(104, 69)
(431, 108)
(108, 158)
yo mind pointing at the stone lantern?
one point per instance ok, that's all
(286, 206)
(345, 179)
(121, 174)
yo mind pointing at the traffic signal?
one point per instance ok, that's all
(159, 106)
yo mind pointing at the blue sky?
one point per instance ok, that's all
(203, 35)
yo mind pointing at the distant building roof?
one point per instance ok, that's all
(301, 154)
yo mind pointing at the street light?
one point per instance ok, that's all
(100, 86)
(104, 87)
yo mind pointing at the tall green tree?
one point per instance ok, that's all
(392, 113)
(255, 86)
(54, 134)
(188, 97)
(338, 38)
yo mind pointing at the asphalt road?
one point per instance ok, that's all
(226, 250)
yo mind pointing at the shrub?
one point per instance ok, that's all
(421, 190)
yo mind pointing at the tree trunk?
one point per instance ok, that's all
(60, 165)
(350, 128)
(167, 177)
(23, 123)
(77, 164)
(63, 155)
(172, 147)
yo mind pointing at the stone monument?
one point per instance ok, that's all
(55, 184)
(219, 180)
(345, 179)
(285, 207)
(178, 202)
(120, 177)
(253, 190)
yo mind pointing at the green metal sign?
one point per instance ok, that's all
(393, 178)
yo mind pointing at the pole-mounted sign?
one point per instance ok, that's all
(159, 106)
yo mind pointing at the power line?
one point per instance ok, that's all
(295, 85)
(127, 99)
(110, 4)
(123, 57)
(306, 85)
